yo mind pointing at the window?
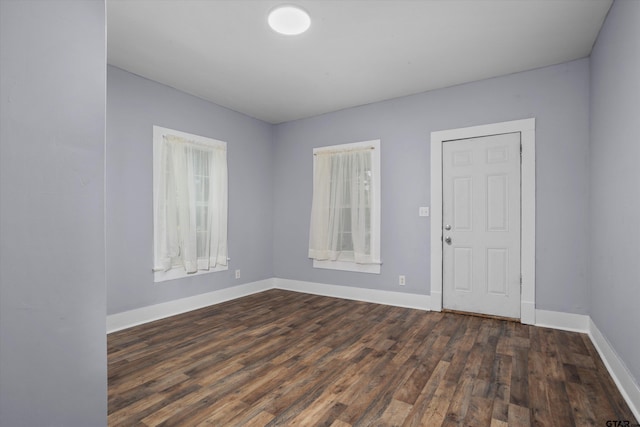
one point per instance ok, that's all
(189, 204)
(345, 211)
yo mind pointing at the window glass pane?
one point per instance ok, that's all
(345, 239)
(182, 180)
(345, 216)
(201, 241)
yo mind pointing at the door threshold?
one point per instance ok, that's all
(486, 316)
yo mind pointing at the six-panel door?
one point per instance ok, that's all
(481, 225)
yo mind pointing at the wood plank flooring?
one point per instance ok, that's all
(281, 358)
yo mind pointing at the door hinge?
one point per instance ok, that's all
(520, 150)
(521, 281)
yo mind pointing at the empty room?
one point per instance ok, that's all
(319, 212)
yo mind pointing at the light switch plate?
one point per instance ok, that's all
(423, 211)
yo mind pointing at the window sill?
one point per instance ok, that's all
(179, 273)
(347, 266)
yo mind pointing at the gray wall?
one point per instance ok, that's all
(53, 367)
(556, 96)
(134, 105)
(615, 182)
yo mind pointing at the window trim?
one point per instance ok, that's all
(158, 133)
(375, 213)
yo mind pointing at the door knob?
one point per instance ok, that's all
(447, 240)
(447, 227)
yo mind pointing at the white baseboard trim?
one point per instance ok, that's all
(398, 299)
(629, 389)
(564, 321)
(138, 316)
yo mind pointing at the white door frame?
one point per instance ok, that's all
(526, 128)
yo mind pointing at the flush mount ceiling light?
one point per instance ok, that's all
(289, 20)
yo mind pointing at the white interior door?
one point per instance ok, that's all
(481, 225)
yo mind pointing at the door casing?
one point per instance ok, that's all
(526, 128)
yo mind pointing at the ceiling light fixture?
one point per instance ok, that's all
(289, 20)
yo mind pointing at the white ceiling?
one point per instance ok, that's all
(356, 51)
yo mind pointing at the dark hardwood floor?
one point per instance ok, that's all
(281, 358)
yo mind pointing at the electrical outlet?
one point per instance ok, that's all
(237, 274)
(401, 280)
(423, 211)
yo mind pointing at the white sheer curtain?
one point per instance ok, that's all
(191, 206)
(342, 206)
